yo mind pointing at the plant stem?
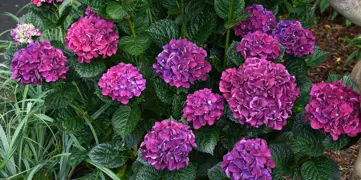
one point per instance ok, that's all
(230, 12)
(150, 12)
(184, 26)
(79, 92)
(131, 25)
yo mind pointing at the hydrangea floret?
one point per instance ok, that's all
(260, 92)
(203, 107)
(39, 2)
(249, 159)
(297, 40)
(38, 61)
(167, 145)
(122, 82)
(92, 36)
(182, 63)
(259, 45)
(334, 108)
(24, 32)
(260, 19)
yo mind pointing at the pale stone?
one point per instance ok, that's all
(351, 9)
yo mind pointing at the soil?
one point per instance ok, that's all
(333, 36)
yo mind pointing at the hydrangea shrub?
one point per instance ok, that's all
(187, 89)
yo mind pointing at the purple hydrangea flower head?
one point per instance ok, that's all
(297, 40)
(249, 159)
(122, 82)
(24, 32)
(260, 20)
(259, 45)
(39, 2)
(181, 63)
(92, 36)
(334, 108)
(260, 92)
(38, 61)
(167, 145)
(203, 107)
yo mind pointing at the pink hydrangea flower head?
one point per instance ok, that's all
(259, 45)
(92, 36)
(249, 159)
(297, 40)
(38, 61)
(167, 145)
(181, 63)
(203, 107)
(24, 32)
(122, 82)
(39, 2)
(260, 92)
(335, 109)
(260, 20)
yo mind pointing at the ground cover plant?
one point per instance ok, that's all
(170, 89)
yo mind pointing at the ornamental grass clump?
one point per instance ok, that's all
(203, 107)
(167, 145)
(39, 62)
(122, 82)
(260, 92)
(24, 32)
(260, 19)
(91, 37)
(182, 63)
(335, 109)
(259, 45)
(249, 159)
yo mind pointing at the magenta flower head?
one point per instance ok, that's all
(249, 159)
(260, 20)
(260, 92)
(167, 145)
(122, 82)
(203, 107)
(38, 61)
(297, 40)
(334, 108)
(92, 36)
(38, 2)
(259, 45)
(24, 32)
(181, 63)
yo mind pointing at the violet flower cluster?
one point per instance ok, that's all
(181, 63)
(39, 2)
(167, 145)
(259, 45)
(260, 20)
(260, 92)
(203, 107)
(92, 36)
(38, 61)
(122, 82)
(297, 40)
(24, 32)
(249, 159)
(335, 109)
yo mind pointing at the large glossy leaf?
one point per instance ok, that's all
(163, 31)
(107, 156)
(135, 46)
(115, 11)
(225, 7)
(125, 119)
(207, 139)
(320, 168)
(96, 67)
(201, 27)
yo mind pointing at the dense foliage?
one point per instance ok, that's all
(170, 89)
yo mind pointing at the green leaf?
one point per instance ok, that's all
(309, 143)
(140, 21)
(47, 15)
(234, 59)
(163, 31)
(135, 137)
(64, 14)
(88, 70)
(296, 66)
(230, 24)
(61, 98)
(306, 16)
(107, 156)
(53, 34)
(318, 57)
(320, 168)
(34, 19)
(149, 173)
(135, 46)
(125, 119)
(304, 83)
(333, 77)
(201, 27)
(163, 91)
(69, 121)
(177, 106)
(299, 123)
(324, 4)
(115, 11)
(216, 173)
(223, 7)
(283, 157)
(354, 54)
(337, 145)
(187, 173)
(77, 157)
(207, 139)
(193, 8)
